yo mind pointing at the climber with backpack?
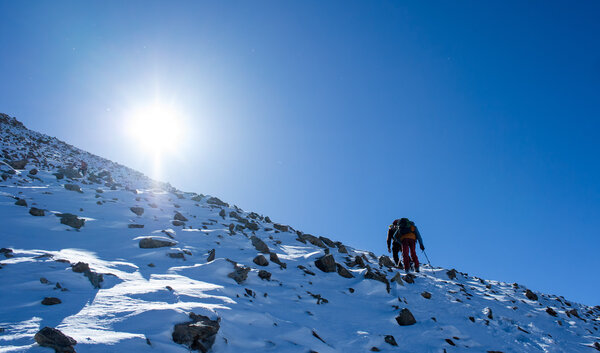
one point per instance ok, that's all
(405, 235)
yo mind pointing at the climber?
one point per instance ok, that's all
(405, 235)
(396, 246)
(83, 168)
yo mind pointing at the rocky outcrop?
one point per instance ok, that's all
(239, 274)
(211, 256)
(275, 259)
(217, 202)
(378, 276)
(71, 220)
(198, 334)
(386, 261)
(36, 212)
(342, 271)
(53, 338)
(152, 243)
(18, 164)
(259, 245)
(265, 275)
(260, 260)
(531, 295)
(73, 187)
(21, 202)
(95, 278)
(327, 242)
(451, 274)
(326, 263)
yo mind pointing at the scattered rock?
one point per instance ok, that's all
(342, 271)
(451, 273)
(198, 334)
(135, 226)
(260, 260)
(71, 220)
(450, 342)
(551, 311)
(275, 259)
(8, 253)
(409, 278)
(18, 164)
(179, 217)
(239, 274)
(488, 313)
(73, 187)
(405, 318)
(95, 278)
(531, 295)
(327, 242)
(281, 227)
(177, 223)
(176, 255)
(211, 256)
(44, 280)
(264, 275)
(51, 301)
(384, 260)
(306, 270)
(33, 171)
(389, 339)
(378, 276)
(137, 210)
(341, 248)
(326, 263)
(398, 279)
(426, 295)
(259, 245)
(21, 202)
(53, 338)
(151, 243)
(36, 212)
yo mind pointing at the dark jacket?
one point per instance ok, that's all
(392, 230)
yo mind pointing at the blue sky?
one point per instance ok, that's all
(480, 121)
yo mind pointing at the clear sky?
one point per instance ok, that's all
(480, 121)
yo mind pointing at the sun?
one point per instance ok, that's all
(156, 128)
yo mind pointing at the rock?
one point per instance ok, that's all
(260, 260)
(281, 227)
(198, 334)
(44, 280)
(151, 243)
(326, 263)
(450, 342)
(211, 256)
(375, 349)
(268, 220)
(71, 220)
(216, 201)
(531, 295)
(409, 278)
(252, 226)
(389, 339)
(405, 318)
(135, 226)
(341, 248)
(137, 210)
(179, 217)
(358, 261)
(342, 271)
(451, 274)
(488, 313)
(313, 240)
(70, 173)
(196, 198)
(327, 242)
(53, 338)
(426, 295)
(306, 270)
(18, 164)
(95, 278)
(376, 275)
(51, 301)
(177, 223)
(275, 259)
(239, 274)
(551, 311)
(21, 202)
(73, 187)
(384, 260)
(222, 213)
(398, 279)
(33, 171)
(259, 245)
(597, 346)
(264, 275)
(36, 212)
(176, 255)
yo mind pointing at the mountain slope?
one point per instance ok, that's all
(94, 249)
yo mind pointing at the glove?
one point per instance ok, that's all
(422, 248)
(389, 250)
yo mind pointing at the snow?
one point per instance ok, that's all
(138, 303)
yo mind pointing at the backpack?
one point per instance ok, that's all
(403, 227)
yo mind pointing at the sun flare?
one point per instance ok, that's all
(157, 128)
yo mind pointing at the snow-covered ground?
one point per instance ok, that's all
(145, 292)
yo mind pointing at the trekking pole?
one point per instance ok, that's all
(429, 263)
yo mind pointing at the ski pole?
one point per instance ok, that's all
(429, 263)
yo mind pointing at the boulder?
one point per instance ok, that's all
(260, 260)
(252, 226)
(217, 202)
(378, 276)
(426, 295)
(326, 263)
(239, 274)
(70, 173)
(313, 240)
(342, 271)
(327, 242)
(152, 243)
(531, 295)
(259, 245)
(73, 187)
(21, 202)
(179, 217)
(398, 279)
(275, 259)
(51, 301)
(33, 171)
(551, 311)
(385, 261)
(211, 256)
(137, 210)
(198, 334)
(264, 275)
(405, 318)
(176, 255)
(281, 227)
(451, 273)
(341, 248)
(222, 213)
(389, 339)
(409, 278)
(18, 164)
(71, 220)
(94, 278)
(135, 226)
(36, 212)
(53, 338)
(177, 223)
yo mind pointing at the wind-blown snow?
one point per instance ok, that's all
(145, 292)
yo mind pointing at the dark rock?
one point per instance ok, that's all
(51, 301)
(341, 248)
(135, 226)
(70, 173)
(252, 226)
(386, 261)
(222, 213)
(53, 338)
(531, 295)
(450, 342)
(73, 187)
(71, 220)
(375, 349)
(259, 245)
(426, 295)
(389, 339)
(177, 223)
(216, 201)
(281, 227)
(264, 275)
(342, 271)
(260, 260)
(451, 274)
(18, 164)
(239, 274)
(21, 202)
(489, 313)
(197, 198)
(327, 242)
(44, 280)
(405, 318)
(306, 270)
(376, 275)
(8, 253)
(211, 256)
(275, 259)
(137, 210)
(36, 212)
(33, 171)
(551, 311)
(409, 278)
(398, 279)
(358, 261)
(176, 255)
(313, 240)
(198, 334)
(95, 278)
(597, 346)
(179, 217)
(268, 220)
(151, 243)
(326, 263)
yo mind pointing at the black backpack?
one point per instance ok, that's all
(403, 227)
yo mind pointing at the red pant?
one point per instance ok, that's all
(409, 244)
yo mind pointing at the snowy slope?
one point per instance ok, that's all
(145, 292)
